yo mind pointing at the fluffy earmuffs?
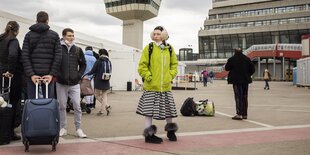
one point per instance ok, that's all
(164, 33)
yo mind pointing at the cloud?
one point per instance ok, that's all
(182, 19)
(92, 11)
(188, 5)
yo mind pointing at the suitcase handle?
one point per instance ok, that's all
(37, 87)
(8, 88)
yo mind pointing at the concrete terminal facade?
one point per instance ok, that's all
(243, 23)
(124, 58)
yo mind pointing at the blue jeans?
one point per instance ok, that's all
(205, 81)
(266, 84)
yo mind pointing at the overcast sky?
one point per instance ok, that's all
(181, 18)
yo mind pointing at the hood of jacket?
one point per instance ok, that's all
(89, 52)
(39, 27)
(103, 57)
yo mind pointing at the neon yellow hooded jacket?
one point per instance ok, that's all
(161, 71)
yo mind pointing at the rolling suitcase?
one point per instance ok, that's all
(5, 113)
(40, 121)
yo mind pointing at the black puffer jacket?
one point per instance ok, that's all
(41, 52)
(240, 69)
(10, 55)
(72, 66)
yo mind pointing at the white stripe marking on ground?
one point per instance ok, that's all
(282, 110)
(269, 105)
(111, 139)
(254, 122)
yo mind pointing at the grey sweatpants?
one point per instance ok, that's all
(63, 92)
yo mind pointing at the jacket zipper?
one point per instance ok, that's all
(162, 69)
(68, 49)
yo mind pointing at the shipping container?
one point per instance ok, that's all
(303, 72)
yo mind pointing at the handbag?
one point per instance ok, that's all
(105, 75)
(86, 88)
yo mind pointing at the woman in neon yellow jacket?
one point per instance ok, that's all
(158, 67)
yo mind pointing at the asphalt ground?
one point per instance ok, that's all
(278, 123)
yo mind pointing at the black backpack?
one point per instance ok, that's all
(188, 108)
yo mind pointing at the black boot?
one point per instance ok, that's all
(171, 128)
(149, 134)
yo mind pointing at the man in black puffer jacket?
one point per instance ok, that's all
(41, 55)
(240, 69)
(72, 67)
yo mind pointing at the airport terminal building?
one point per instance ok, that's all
(243, 23)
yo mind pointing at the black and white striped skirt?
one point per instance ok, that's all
(159, 105)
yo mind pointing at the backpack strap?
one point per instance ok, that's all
(77, 52)
(170, 49)
(150, 52)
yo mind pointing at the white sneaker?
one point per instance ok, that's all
(80, 133)
(62, 132)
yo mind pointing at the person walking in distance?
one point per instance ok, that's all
(158, 67)
(41, 55)
(71, 71)
(240, 70)
(90, 61)
(267, 77)
(102, 71)
(205, 75)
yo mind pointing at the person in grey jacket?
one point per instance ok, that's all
(102, 65)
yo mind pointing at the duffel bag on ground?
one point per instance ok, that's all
(205, 108)
(188, 107)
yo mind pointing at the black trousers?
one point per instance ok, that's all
(241, 98)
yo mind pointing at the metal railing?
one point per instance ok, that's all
(273, 47)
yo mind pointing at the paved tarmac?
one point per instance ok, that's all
(278, 123)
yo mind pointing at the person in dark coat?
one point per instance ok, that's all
(70, 73)
(41, 55)
(102, 65)
(240, 69)
(11, 67)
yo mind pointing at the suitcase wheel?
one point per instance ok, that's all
(54, 143)
(26, 143)
(88, 110)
